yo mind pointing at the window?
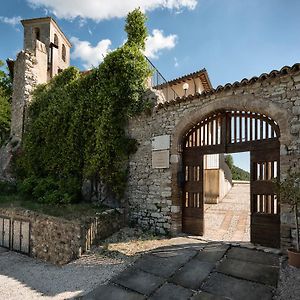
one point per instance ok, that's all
(55, 40)
(63, 52)
(37, 33)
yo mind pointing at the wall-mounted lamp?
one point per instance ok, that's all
(185, 87)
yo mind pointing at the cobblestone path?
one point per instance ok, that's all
(229, 220)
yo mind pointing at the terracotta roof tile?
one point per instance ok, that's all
(275, 73)
(202, 74)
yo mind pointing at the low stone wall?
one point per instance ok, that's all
(60, 241)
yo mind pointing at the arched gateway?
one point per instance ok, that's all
(259, 115)
(230, 131)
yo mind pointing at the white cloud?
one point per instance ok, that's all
(92, 56)
(10, 21)
(176, 63)
(157, 42)
(89, 55)
(82, 22)
(107, 9)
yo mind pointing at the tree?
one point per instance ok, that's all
(229, 161)
(5, 100)
(136, 29)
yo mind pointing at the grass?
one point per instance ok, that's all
(69, 212)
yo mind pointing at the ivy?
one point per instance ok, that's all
(5, 99)
(76, 123)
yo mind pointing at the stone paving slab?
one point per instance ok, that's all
(237, 289)
(212, 253)
(112, 292)
(3, 250)
(164, 263)
(192, 274)
(182, 248)
(139, 281)
(253, 256)
(215, 272)
(171, 291)
(250, 271)
(207, 296)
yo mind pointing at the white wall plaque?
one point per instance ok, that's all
(160, 159)
(161, 142)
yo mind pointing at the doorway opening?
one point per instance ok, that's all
(227, 197)
(232, 131)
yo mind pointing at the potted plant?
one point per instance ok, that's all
(289, 192)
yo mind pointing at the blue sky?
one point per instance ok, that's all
(232, 39)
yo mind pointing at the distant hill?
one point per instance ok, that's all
(239, 174)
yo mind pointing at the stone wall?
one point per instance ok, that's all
(25, 81)
(60, 241)
(154, 195)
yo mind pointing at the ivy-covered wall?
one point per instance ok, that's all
(76, 124)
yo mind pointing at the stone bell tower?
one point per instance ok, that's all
(46, 53)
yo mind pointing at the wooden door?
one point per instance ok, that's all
(265, 209)
(193, 204)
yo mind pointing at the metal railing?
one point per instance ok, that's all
(158, 79)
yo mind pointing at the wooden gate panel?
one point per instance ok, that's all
(16, 236)
(193, 207)
(5, 228)
(21, 236)
(265, 209)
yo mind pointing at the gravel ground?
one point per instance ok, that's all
(25, 278)
(289, 282)
(22, 277)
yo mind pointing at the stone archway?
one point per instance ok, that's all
(240, 103)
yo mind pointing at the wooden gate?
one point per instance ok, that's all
(15, 234)
(229, 132)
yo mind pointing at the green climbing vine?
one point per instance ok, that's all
(5, 99)
(76, 123)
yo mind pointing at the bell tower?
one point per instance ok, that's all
(46, 53)
(45, 33)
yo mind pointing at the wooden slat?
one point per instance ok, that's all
(212, 132)
(234, 128)
(261, 128)
(241, 129)
(251, 127)
(256, 128)
(246, 127)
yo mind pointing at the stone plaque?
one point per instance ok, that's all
(161, 142)
(160, 159)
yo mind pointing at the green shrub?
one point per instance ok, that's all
(7, 188)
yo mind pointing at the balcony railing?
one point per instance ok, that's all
(158, 79)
